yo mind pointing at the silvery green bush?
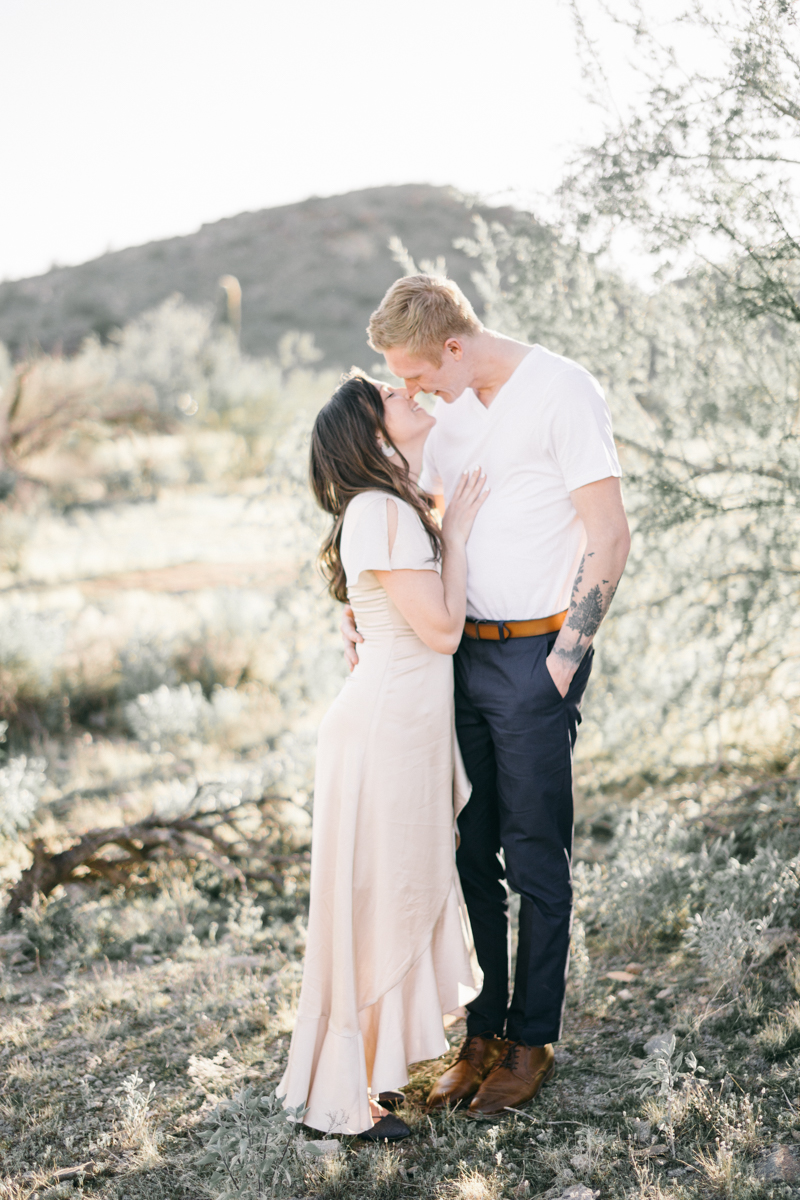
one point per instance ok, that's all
(249, 1144)
(765, 887)
(22, 781)
(30, 643)
(182, 713)
(724, 940)
(184, 364)
(645, 886)
(661, 879)
(700, 653)
(145, 664)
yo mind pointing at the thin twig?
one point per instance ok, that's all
(520, 1113)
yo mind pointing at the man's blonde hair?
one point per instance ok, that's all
(419, 313)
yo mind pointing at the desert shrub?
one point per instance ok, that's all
(659, 880)
(15, 527)
(145, 664)
(579, 962)
(30, 644)
(793, 971)
(691, 166)
(169, 399)
(734, 1119)
(704, 400)
(781, 1034)
(249, 1145)
(172, 909)
(181, 362)
(81, 929)
(175, 714)
(22, 781)
(724, 1172)
(52, 925)
(724, 940)
(644, 887)
(767, 885)
(134, 1103)
(137, 1128)
(244, 923)
(164, 350)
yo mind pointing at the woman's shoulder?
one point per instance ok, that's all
(364, 499)
(371, 502)
(365, 541)
(374, 498)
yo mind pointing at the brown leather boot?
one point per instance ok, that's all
(477, 1056)
(514, 1079)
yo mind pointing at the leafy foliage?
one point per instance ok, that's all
(180, 713)
(660, 878)
(700, 641)
(661, 1071)
(723, 941)
(247, 1140)
(705, 160)
(22, 782)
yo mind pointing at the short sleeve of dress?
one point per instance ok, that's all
(412, 550)
(365, 538)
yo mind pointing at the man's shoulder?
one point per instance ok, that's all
(552, 369)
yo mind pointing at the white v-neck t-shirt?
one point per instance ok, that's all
(546, 433)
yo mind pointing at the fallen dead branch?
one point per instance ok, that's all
(734, 815)
(214, 837)
(87, 1170)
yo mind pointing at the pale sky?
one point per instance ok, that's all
(130, 120)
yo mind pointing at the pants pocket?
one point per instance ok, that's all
(546, 684)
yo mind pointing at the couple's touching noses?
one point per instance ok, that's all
(444, 766)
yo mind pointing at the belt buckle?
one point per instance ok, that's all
(503, 634)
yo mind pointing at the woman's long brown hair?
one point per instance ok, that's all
(346, 459)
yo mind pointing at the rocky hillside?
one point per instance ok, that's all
(319, 266)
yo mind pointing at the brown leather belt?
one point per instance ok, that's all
(491, 630)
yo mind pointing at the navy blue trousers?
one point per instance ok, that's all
(516, 735)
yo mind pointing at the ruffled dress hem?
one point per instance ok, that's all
(403, 1026)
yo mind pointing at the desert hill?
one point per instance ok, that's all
(320, 265)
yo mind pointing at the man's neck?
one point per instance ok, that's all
(495, 358)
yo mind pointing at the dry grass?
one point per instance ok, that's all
(148, 1006)
(132, 1009)
(118, 1064)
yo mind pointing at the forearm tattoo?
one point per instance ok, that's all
(585, 614)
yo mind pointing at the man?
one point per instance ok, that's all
(544, 559)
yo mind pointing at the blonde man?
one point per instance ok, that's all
(544, 559)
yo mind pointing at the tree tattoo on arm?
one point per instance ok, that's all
(585, 614)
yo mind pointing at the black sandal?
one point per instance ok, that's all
(388, 1129)
(391, 1100)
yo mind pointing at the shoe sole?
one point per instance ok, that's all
(366, 1136)
(480, 1116)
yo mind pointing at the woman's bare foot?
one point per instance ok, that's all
(377, 1111)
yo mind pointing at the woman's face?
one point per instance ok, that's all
(406, 421)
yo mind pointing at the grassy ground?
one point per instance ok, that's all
(81, 1043)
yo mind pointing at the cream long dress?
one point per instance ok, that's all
(388, 948)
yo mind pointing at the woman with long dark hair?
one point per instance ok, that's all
(388, 950)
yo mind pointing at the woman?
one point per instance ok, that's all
(387, 951)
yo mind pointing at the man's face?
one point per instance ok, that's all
(419, 374)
